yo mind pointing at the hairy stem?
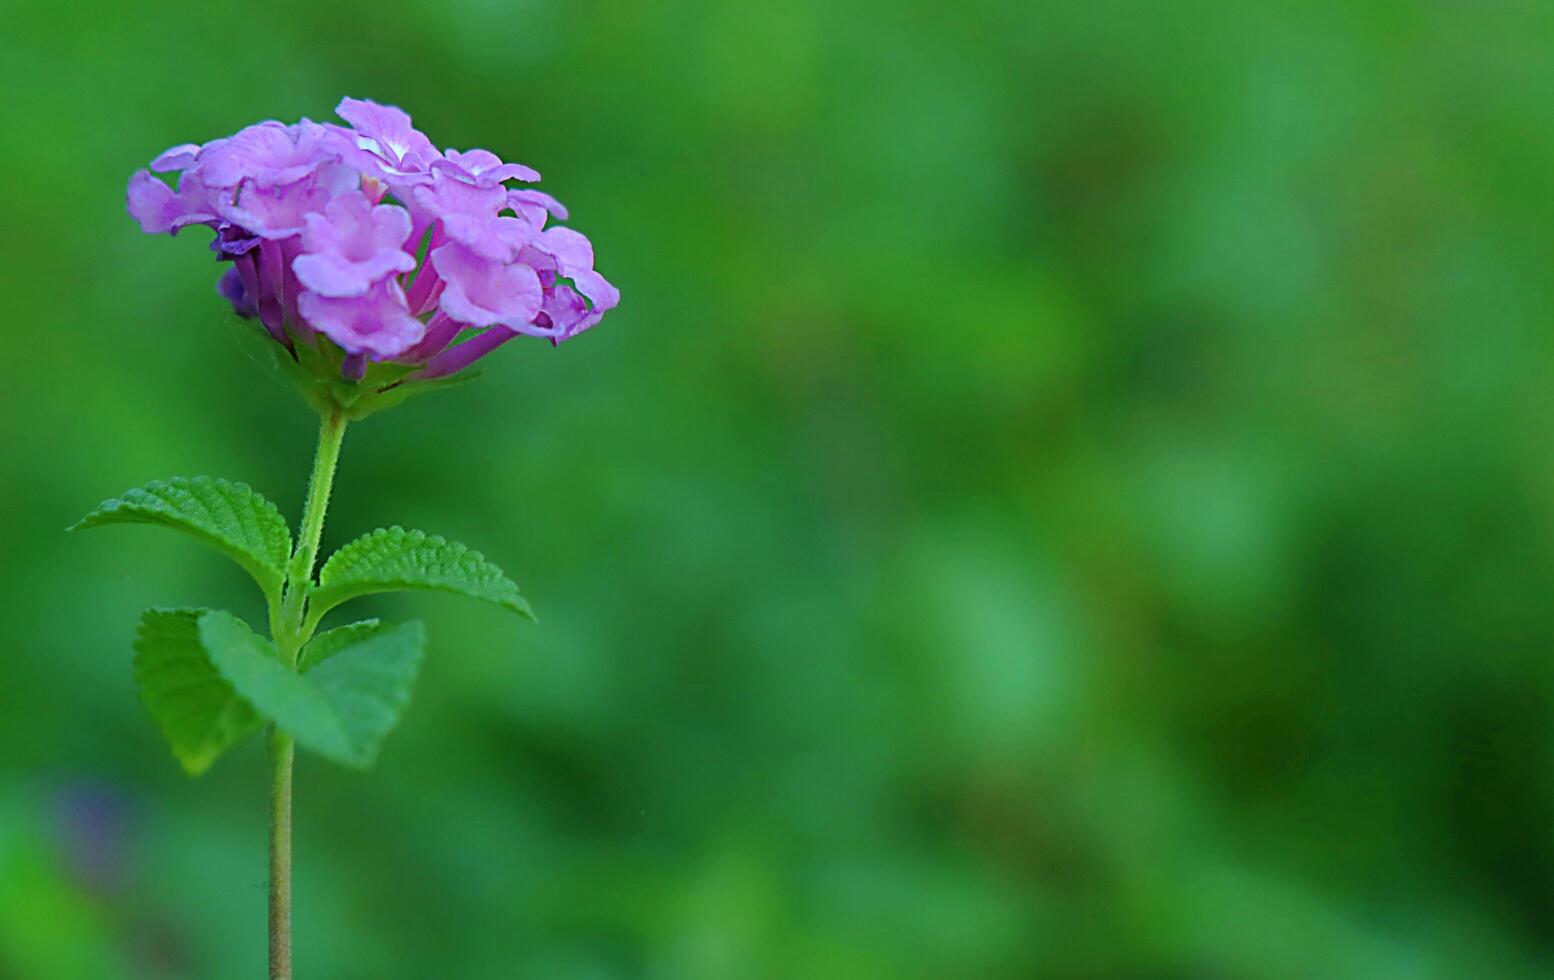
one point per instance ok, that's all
(299, 573)
(281, 752)
(290, 635)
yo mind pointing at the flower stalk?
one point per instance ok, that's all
(290, 635)
(377, 268)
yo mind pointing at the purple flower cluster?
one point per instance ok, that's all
(323, 225)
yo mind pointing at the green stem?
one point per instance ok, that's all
(290, 634)
(299, 573)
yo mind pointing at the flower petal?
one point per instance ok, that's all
(180, 157)
(351, 245)
(377, 324)
(479, 292)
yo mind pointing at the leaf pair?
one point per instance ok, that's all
(208, 680)
(237, 521)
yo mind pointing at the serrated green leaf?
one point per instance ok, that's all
(249, 663)
(199, 713)
(230, 517)
(344, 707)
(368, 684)
(394, 560)
(327, 644)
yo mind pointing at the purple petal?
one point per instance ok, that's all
(573, 253)
(534, 205)
(268, 154)
(231, 286)
(570, 313)
(480, 292)
(331, 275)
(600, 293)
(483, 168)
(161, 210)
(388, 126)
(448, 196)
(232, 241)
(377, 324)
(470, 215)
(180, 157)
(152, 203)
(383, 142)
(352, 245)
(278, 212)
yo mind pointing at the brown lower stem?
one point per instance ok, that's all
(281, 752)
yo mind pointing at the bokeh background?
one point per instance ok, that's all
(1068, 493)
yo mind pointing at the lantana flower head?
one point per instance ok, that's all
(372, 259)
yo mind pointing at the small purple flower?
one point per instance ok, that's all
(571, 252)
(378, 324)
(382, 143)
(470, 215)
(266, 155)
(279, 212)
(480, 292)
(562, 252)
(323, 226)
(160, 210)
(351, 245)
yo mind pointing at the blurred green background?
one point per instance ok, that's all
(1068, 493)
